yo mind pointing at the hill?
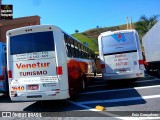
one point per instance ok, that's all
(91, 36)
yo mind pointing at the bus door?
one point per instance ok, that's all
(120, 53)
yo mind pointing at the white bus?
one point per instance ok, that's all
(45, 63)
(120, 54)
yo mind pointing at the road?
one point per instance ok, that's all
(120, 99)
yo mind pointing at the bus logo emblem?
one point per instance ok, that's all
(119, 37)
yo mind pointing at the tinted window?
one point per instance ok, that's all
(118, 43)
(32, 42)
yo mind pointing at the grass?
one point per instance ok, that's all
(91, 36)
(92, 42)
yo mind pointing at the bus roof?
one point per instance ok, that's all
(27, 27)
(113, 32)
(36, 26)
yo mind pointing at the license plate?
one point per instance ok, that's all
(33, 87)
(121, 70)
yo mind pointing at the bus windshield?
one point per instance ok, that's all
(32, 42)
(117, 43)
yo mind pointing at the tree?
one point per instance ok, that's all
(76, 31)
(145, 24)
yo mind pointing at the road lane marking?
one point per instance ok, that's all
(119, 89)
(81, 104)
(105, 112)
(84, 106)
(92, 109)
(120, 100)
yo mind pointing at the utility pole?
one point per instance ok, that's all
(131, 23)
(127, 22)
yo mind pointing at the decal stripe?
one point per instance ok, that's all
(121, 52)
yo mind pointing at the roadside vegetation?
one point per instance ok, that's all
(90, 37)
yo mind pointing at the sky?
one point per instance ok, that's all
(82, 15)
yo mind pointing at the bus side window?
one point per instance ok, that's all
(67, 46)
(77, 49)
(81, 56)
(72, 51)
(85, 55)
(69, 51)
(71, 47)
(80, 53)
(83, 52)
(77, 53)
